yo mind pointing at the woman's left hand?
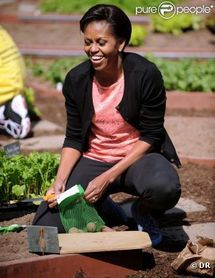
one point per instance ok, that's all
(96, 188)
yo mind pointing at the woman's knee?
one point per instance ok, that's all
(48, 217)
(165, 191)
(158, 182)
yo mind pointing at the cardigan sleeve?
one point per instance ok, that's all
(73, 138)
(153, 105)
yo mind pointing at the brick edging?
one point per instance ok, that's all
(201, 161)
(199, 101)
(191, 100)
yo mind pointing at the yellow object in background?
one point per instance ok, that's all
(12, 68)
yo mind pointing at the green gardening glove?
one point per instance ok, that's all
(12, 228)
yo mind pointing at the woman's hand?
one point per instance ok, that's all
(68, 159)
(56, 189)
(97, 187)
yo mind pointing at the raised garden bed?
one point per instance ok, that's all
(192, 102)
(117, 264)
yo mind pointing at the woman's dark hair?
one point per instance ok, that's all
(118, 20)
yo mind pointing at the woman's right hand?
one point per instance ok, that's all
(69, 157)
(56, 189)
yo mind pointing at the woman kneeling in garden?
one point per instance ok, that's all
(115, 139)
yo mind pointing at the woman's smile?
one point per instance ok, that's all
(97, 59)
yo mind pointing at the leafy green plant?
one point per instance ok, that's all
(184, 74)
(29, 95)
(26, 176)
(54, 71)
(177, 24)
(138, 35)
(187, 74)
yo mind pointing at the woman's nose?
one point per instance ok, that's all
(94, 48)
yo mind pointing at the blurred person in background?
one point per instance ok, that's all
(14, 118)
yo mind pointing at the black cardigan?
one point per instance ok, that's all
(143, 104)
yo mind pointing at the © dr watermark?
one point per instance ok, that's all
(167, 10)
(200, 265)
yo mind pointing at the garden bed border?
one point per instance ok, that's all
(103, 264)
(198, 101)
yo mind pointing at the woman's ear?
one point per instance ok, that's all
(121, 45)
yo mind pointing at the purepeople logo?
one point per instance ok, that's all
(167, 10)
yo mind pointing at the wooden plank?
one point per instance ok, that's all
(102, 241)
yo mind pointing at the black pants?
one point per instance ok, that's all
(152, 178)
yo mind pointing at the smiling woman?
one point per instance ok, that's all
(104, 41)
(115, 139)
(102, 48)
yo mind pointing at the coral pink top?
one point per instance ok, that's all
(111, 136)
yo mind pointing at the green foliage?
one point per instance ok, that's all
(138, 35)
(77, 6)
(184, 74)
(187, 74)
(29, 95)
(56, 71)
(177, 24)
(26, 176)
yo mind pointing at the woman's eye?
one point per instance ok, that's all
(86, 42)
(89, 42)
(102, 43)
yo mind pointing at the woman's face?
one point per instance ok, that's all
(101, 46)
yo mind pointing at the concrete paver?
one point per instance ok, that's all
(183, 233)
(46, 126)
(42, 143)
(185, 205)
